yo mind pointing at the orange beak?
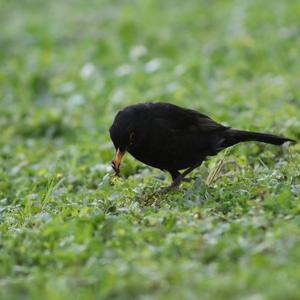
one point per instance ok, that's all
(117, 161)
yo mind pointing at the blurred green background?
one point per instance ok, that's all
(66, 230)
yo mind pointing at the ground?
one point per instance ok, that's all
(68, 230)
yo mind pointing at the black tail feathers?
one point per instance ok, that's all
(234, 136)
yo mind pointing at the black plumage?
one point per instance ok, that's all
(173, 138)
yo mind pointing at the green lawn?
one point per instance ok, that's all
(70, 231)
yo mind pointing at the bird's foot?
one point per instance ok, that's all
(190, 179)
(173, 186)
(167, 189)
(176, 183)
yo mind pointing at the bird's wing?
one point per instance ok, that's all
(174, 118)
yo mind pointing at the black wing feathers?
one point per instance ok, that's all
(179, 119)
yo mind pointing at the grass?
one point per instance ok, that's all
(70, 231)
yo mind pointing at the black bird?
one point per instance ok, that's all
(172, 138)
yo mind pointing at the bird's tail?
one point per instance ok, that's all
(234, 136)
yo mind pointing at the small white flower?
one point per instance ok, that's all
(76, 100)
(137, 51)
(67, 87)
(179, 69)
(87, 70)
(101, 168)
(171, 87)
(118, 96)
(124, 70)
(152, 65)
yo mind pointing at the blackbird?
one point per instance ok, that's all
(172, 138)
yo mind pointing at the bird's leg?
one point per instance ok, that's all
(176, 173)
(182, 176)
(179, 178)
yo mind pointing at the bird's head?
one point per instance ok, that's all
(122, 133)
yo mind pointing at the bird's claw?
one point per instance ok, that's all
(171, 187)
